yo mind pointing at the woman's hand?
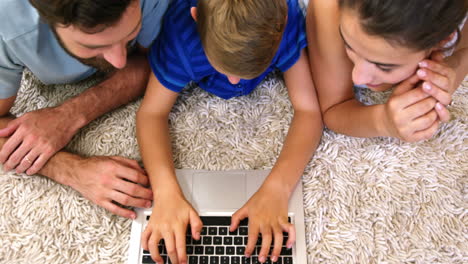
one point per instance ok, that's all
(409, 113)
(439, 82)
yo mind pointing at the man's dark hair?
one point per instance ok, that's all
(416, 24)
(87, 15)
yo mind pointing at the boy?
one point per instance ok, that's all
(227, 47)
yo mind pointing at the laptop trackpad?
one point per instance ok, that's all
(219, 191)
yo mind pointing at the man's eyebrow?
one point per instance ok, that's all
(385, 65)
(108, 45)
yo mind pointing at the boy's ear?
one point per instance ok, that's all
(193, 12)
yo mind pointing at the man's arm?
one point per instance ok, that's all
(36, 136)
(102, 180)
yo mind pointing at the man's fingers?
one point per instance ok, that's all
(133, 189)
(10, 128)
(115, 209)
(37, 165)
(10, 145)
(130, 163)
(128, 200)
(27, 161)
(19, 155)
(133, 175)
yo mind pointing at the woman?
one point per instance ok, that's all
(382, 44)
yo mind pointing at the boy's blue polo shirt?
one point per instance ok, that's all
(177, 56)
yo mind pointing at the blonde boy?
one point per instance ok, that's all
(227, 47)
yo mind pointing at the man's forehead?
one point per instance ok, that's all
(104, 35)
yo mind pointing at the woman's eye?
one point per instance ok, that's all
(385, 69)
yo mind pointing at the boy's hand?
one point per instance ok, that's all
(267, 211)
(409, 113)
(169, 220)
(439, 82)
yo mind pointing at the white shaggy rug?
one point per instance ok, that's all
(367, 200)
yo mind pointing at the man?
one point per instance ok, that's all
(63, 41)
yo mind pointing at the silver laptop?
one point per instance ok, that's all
(216, 195)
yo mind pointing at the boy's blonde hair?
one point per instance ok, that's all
(241, 37)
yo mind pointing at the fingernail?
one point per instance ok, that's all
(274, 258)
(289, 245)
(427, 86)
(148, 204)
(423, 64)
(262, 259)
(421, 73)
(133, 216)
(439, 106)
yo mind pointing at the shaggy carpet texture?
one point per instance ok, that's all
(376, 200)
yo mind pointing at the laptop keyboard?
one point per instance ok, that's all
(219, 246)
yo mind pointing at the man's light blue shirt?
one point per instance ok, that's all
(27, 42)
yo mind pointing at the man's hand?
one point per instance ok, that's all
(409, 112)
(106, 180)
(267, 211)
(34, 138)
(169, 220)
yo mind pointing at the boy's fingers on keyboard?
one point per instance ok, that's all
(289, 228)
(171, 247)
(153, 247)
(237, 217)
(180, 246)
(252, 241)
(266, 243)
(196, 225)
(145, 237)
(278, 242)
